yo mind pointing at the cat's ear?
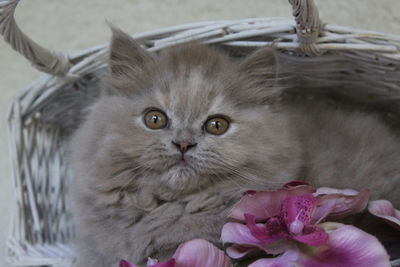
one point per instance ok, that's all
(261, 72)
(126, 54)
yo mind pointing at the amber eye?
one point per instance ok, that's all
(217, 125)
(155, 119)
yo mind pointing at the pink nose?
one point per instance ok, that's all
(184, 146)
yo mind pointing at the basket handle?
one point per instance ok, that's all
(308, 25)
(52, 62)
(305, 12)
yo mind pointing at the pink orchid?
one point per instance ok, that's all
(385, 210)
(194, 253)
(265, 204)
(346, 246)
(338, 203)
(294, 222)
(287, 221)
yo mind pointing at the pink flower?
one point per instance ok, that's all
(265, 204)
(194, 253)
(287, 221)
(287, 214)
(346, 246)
(338, 203)
(294, 222)
(385, 210)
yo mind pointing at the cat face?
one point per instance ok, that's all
(186, 118)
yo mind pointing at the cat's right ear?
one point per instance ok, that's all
(261, 69)
(126, 55)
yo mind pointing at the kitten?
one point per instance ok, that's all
(168, 148)
(177, 137)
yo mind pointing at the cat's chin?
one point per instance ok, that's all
(182, 178)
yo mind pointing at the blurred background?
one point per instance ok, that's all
(73, 25)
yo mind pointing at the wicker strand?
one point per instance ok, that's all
(42, 59)
(308, 25)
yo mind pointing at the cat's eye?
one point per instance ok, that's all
(155, 119)
(217, 125)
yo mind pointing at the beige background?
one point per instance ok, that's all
(72, 25)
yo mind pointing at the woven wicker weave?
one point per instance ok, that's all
(43, 116)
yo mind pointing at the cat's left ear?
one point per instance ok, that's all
(261, 72)
(126, 54)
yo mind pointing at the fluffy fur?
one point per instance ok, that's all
(133, 197)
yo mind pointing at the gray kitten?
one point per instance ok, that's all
(177, 137)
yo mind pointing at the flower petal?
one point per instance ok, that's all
(346, 246)
(331, 191)
(239, 234)
(323, 209)
(151, 261)
(287, 259)
(124, 263)
(200, 253)
(298, 208)
(340, 202)
(294, 184)
(313, 236)
(239, 251)
(244, 243)
(265, 204)
(265, 233)
(385, 210)
(170, 263)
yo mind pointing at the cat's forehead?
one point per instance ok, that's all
(193, 94)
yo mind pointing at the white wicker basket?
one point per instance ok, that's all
(43, 116)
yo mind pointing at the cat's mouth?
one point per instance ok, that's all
(183, 163)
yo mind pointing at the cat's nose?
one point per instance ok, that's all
(184, 146)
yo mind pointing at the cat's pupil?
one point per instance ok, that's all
(154, 119)
(216, 124)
